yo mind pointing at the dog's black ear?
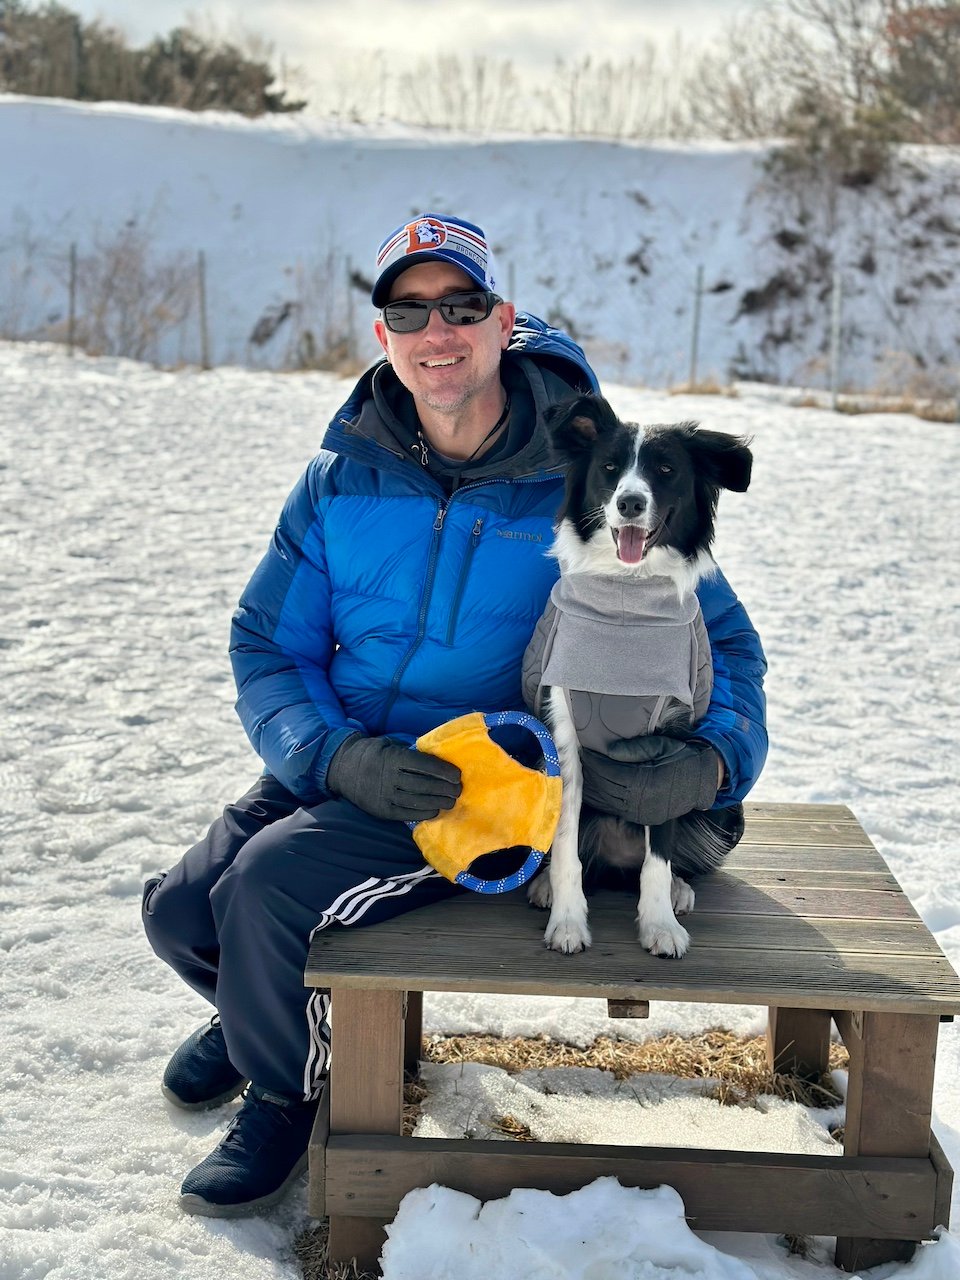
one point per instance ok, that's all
(725, 461)
(574, 425)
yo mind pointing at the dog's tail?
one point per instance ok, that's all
(703, 838)
(611, 849)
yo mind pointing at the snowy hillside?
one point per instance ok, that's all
(602, 238)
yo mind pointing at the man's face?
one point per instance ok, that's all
(445, 366)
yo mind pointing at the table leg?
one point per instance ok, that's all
(413, 1034)
(889, 1102)
(798, 1041)
(366, 1096)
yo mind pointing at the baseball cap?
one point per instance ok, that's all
(433, 237)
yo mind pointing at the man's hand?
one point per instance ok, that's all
(387, 779)
(652, 779)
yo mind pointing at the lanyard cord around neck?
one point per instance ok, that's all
(422, 451)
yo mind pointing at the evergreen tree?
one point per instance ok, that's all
(48, 50)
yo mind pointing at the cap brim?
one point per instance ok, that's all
(380, 295)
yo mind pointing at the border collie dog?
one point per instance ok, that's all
(622, 650)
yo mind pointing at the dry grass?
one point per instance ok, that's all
(709, 387)
(413, 1095)
(310, 1250)
(737, 1064)
(513, 1128)
(798, 1246)
(932, 403)
(853, 405)
(929, 410)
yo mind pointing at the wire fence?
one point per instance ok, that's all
(114, 296)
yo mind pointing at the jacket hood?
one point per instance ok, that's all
(543, 362)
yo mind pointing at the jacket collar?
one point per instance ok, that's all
(380, 413)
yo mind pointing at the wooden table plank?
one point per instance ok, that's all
(733, 896)
(798, 857)
(803, 979)
(766, 893)
(766, 933)
(721, 1190)
(766, 810)
(788, 831)
(513, 923)
(802, 877)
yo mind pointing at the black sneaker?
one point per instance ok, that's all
(262, 1153)
(200, 1073)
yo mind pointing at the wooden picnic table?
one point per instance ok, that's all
(805, 918)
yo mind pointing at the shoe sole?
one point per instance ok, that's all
(209, 1103)
(207, 1209)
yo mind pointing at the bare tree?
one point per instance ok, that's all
(744, 85)
(128, 298)
(357, 88)
(639, 97)
(480, 94)
(879, 70)
(850, 36)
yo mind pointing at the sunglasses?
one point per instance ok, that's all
(411, 314)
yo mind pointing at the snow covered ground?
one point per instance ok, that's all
(602, 238)
(133, 506)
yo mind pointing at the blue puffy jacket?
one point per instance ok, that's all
(385, 606)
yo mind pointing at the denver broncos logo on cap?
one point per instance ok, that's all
(425, 233)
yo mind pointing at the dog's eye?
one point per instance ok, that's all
(609, 466)
(665, 469)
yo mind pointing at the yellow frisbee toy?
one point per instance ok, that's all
(503, 804)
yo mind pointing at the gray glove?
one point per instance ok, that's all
(388, 779)
(651, 779)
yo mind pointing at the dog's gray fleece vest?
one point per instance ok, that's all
(628, 651)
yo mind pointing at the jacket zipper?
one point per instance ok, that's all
(462, 578)
(424, 607)
(428, 581)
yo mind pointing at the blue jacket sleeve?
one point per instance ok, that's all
(735, 722)
(281, 644)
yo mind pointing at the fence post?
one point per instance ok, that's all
(695, 336)
(202, 298)
(72, 305)
(835, 312)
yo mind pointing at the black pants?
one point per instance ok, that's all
(235, 918)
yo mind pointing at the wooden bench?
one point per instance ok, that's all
(806, 919)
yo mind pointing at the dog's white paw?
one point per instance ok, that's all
(682, 897)
(663, 937)
(539, 893)
(568, 934)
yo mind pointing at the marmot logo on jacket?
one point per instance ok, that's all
(519, 533)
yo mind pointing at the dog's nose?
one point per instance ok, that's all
(631, 505)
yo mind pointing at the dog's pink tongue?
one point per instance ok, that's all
(630, 544)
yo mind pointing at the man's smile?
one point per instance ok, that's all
(441, 362)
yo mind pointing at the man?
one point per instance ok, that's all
(405, 577)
